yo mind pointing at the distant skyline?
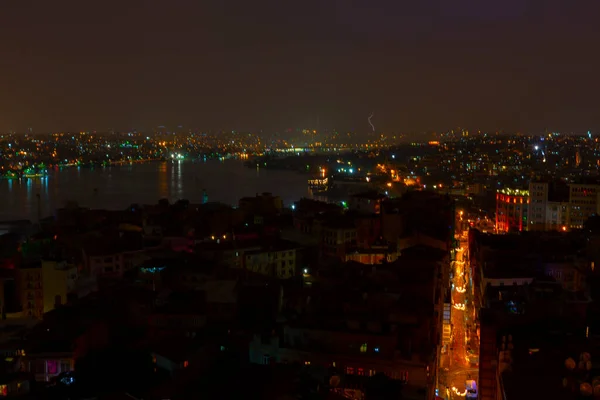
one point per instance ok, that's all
(425, 65)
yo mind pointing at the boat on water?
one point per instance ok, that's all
(318, 183)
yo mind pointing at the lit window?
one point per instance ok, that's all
(186, 364)
(376, 349)
(349, 371)
(363, 348)
(361, 372)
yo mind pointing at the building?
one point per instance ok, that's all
(111, 257)
(512, 210)
(583, 202)
(549, 207)
(30, 291)
(42, 286)
(59, 280)
(367, 202)
(538, 204)
(555, 206)
(262, 205)
(278, 261)
(338, 236)
(373, 255)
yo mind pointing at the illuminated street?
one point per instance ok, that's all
(461, 359)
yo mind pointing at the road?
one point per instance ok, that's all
(456, 366)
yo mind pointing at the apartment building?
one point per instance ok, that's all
(583, 202)
(512, 210)
(548, 207)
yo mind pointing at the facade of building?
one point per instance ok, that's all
(373, 256)
(44, 286)
(368, 202)
(279, 263)
(512, 210)
(30, 290)
(337, 239)
(551, 210)
(113, 264)
(538, 205)
(583, 202)
(59, 279)
(263, 204)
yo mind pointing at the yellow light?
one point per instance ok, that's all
(389, 184)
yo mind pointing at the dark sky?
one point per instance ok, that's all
(270, 64)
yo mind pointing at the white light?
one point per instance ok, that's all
(305, 271)
(351, 170)
(536, 147)
(293, 206)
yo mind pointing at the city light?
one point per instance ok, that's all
(456, 392)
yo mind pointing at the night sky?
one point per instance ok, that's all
(525, 65)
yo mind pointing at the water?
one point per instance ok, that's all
(117, 187)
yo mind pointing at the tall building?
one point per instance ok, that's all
(512, 206)
(583, 202)
(548, 207)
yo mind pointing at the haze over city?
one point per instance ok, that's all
(419, 66)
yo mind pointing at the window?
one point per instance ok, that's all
(186, 364)
(361, 372)
(403, 376)
(376, 349)
(363, 348)
(65, 366)
(372, 372)
(349, 371)
(52, 367)
(266, 359)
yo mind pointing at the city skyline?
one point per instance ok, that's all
(518, 66)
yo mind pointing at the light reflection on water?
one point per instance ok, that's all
(118, 187)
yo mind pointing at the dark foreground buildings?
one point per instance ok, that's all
(189, 300)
